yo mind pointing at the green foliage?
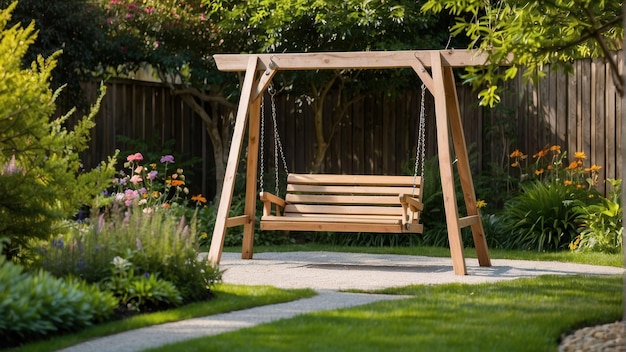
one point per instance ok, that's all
(139, 292)
(39, 157)
(543, 217)
(159, 242)
(601, 227)
(531, 34)
(80, 36)
(35, 305)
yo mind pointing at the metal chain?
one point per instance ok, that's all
(278, 146)
(420, 150)
(262, 163)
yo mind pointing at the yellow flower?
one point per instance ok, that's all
(481, 204)
(539, 172)
(595, 168)
(580, 155)
(515, 164)
(556, 149)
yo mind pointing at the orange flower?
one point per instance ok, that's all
(515, 164)
(580, 155)
(517, 154)
(539, 172)
(556, 149)
(166, 205)
(198, 198)
(550, 167)
(595, 168)
(573, 165)
(568, 182)
(541, 154)
(176, 183)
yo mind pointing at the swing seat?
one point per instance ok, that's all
(345, 203)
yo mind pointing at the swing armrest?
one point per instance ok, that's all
(268, 199)
(412, 202)
(410, 206)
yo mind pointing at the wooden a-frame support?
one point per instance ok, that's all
(259, 71)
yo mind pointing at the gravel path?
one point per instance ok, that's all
(329, 272)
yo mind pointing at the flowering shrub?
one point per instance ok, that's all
(544, 216)
(548, 166)
(150, 186)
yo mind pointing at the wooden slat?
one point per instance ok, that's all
(335, 209)
(337, 219)
(341, 199)
(382, 190)
(364, 180)
(350, 60)
(279, 224)
(238, 221)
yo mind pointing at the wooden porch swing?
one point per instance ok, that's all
(353, 203)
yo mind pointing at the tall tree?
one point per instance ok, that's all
(531, 34)
(80, 37)
(314, 25)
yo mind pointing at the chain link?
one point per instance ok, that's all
(262, 163)
(420, 150)
(278, 146)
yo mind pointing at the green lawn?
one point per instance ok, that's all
(518, 315)
(522, 315)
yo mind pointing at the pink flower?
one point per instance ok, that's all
(135, 157)
(138, 169)
(130, 194)
(136, 179)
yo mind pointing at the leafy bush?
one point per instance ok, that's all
(543, 216)
(158, 241)
(40, 178)
(601, 227)
(139, 292)
(34, 305)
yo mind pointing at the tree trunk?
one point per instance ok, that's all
(217, 137)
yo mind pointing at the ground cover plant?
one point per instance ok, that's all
(227, 298)
(517, 315)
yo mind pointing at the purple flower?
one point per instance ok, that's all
(167, 159)
(152, 175)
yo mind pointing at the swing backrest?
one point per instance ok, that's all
(369, 196)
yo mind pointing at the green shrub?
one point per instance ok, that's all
(543, 217)
(159, 242)
(40, 171)
(142, 292)
(601, 227)
(34, 305)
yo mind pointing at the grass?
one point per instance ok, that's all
(441, 317)
(227, 298)
(517, 315)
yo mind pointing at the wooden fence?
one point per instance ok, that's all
(579, 112)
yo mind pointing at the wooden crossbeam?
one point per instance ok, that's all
(350, 60)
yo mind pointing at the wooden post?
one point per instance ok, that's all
(217, 242)
(251, 175)
(463, 167)
(445, 166)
